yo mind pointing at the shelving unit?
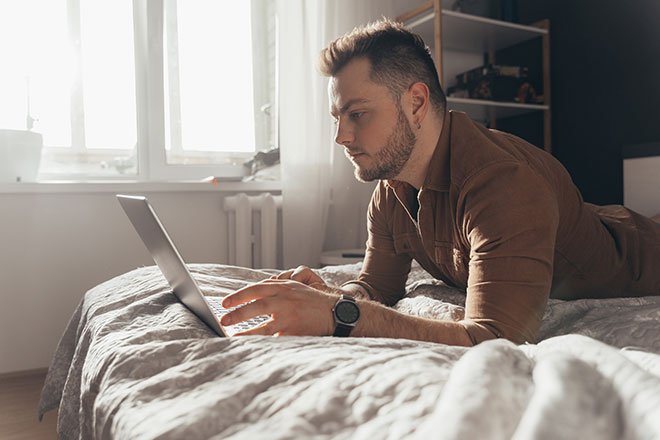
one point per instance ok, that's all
(459, 42)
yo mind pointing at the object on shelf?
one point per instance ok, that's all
(527, 94)
(494, 82)
(491, 70)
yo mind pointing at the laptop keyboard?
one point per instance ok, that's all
(215, 302)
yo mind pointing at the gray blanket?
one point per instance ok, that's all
(136, 364)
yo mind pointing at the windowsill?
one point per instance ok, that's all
(116, 186)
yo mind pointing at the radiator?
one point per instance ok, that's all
(253, 229)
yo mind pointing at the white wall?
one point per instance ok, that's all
(57, 245)
(641, 184)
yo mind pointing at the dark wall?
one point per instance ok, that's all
(605, 73)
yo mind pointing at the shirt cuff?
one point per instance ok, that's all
(365, 286)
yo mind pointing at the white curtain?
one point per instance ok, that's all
(313, 167)
(305, 139)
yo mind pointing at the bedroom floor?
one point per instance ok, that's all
(19, 399)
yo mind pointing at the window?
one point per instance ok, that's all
(153, 90)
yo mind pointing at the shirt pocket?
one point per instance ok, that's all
(404, 243)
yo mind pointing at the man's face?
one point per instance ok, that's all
(374, 131)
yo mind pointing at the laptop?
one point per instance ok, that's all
(150, 229)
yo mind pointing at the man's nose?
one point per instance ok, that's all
(344, 135)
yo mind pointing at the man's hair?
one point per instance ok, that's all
(398, 58)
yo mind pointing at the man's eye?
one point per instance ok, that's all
(356, 115)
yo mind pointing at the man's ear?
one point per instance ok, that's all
(420, 100)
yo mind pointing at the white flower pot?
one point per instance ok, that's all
(20, 155)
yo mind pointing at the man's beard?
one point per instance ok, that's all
(389, 162)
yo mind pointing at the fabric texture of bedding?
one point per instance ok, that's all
(134, 363)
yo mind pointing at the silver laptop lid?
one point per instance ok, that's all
(167, 257)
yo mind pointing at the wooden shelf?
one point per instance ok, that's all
(470, 33)
(479, 109)
(465, 40)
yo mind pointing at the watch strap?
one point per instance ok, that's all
(342, 330)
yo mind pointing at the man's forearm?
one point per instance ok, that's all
(380, 321)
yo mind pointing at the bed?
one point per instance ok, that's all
(134, 363)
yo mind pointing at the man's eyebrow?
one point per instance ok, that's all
(348, 105)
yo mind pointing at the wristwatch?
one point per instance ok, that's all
(346, 313)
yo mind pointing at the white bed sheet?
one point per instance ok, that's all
(136, 364)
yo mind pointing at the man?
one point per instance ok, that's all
(477, 208)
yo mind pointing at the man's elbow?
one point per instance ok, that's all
(482, 330)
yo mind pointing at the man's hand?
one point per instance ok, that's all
(304, 275)
(298, 309)
(295, 308)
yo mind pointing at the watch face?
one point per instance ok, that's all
(347, 312)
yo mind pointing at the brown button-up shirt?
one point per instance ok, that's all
(503, 220)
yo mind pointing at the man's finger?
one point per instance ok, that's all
(283, 275)
(306, 276)
(252, 292)
(301, 273)
(248, 311)
(300, 269)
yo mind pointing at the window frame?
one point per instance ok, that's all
(150, 145)
(148, 19)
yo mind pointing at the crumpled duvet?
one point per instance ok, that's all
(134, 363)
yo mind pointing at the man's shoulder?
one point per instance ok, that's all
(475, 148)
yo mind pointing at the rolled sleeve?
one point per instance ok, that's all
(510, 218)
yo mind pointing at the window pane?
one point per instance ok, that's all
(36, 68)
(72, 62)
(210, 104)
(108, 74)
